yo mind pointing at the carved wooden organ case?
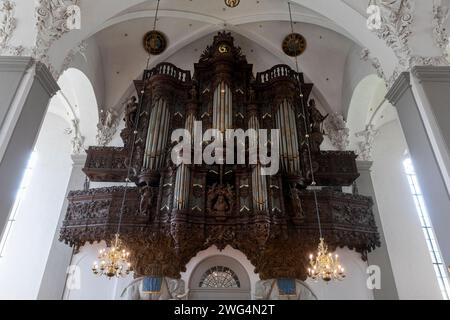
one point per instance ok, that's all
(174, 212)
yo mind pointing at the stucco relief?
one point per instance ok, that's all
(7, 24)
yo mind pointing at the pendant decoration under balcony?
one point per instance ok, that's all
(324, 266)
(232, 3)
(113, 261)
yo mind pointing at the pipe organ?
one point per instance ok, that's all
(175, 211)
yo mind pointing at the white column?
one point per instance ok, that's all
(25, 92)
(424, 153)
(379, 257)
(54, 278)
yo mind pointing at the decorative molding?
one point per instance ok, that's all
(397, 17)
(366, 146)
(46, 79)
(428, 61)
(364, 166)
(79, 49)
(52, 17)
(336, 129)
(7, 22)
(431, 73)
(399, 87)
(366, 56)
(15, 64)
(77, 139)
(440, 34)
(107, 127)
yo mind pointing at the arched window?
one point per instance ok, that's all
(219, 277)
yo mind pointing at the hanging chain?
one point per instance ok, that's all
(135, 132)
(307, 133)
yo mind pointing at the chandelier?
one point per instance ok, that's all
(113, 261)
(324, 266)
(232, 3)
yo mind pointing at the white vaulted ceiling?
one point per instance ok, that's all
(258, 27)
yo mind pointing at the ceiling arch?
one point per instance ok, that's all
(247, 38)
(332, 14)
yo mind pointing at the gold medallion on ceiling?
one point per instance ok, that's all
(232, 3)
(294, 44)
(155, 42)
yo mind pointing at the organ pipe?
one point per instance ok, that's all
(182, 181)
(222, 107)
(289, 148)
(157, 134)
(259, 182)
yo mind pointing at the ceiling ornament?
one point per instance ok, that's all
(440, 17)
(7, 22)
(155, 42)
(79, 49)
(366, 56)
(397, 17)
(232, 3)
(52, 17)
(294, 44)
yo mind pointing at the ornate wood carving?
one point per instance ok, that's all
(220, 207)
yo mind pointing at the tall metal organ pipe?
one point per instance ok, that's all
(259, 182)
(222, 107)
(157, 135)
(182, 181)
(289, 147)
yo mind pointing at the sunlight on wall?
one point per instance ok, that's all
(18, 202)
(433, 247)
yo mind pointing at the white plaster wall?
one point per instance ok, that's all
(28, 246)
(411, 262)
(355, 70)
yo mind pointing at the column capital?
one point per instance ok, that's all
(399, 87)
(45, 78)
(364, 166)
(15, 64)
(431, 73)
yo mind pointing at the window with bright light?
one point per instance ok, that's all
(19, 199)
(433, 248)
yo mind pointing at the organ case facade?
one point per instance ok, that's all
(173, 212)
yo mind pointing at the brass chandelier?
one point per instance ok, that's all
(324, 266)
(113, 261)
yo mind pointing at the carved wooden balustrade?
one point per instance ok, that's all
(170, 70)
(106, 164)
